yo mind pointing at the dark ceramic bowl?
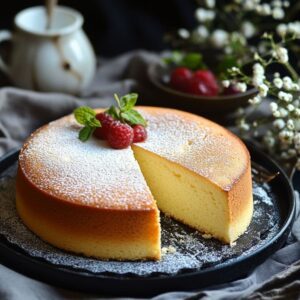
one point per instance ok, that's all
(212, 107)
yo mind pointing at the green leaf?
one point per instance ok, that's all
(83, 114)
(193, 61)
(128, 101)
(133, 117)
(227, 63)
(93, 122)
(175, 58)
(112, 111)
(85, 133)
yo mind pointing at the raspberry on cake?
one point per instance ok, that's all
(91, 199)
(105, 120)
(120, 135)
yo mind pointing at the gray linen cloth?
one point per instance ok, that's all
(23, 111)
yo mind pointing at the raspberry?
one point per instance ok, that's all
(203, 83)
(139, 133)
(120, 135)
(180, 77)
(105, 120)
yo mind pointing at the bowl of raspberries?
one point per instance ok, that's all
(187, 83)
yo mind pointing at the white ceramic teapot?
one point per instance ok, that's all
(60, 59)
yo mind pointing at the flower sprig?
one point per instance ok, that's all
(279, 131)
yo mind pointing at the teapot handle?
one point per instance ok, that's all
(5, 35)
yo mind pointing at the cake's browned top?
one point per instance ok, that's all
(91, 173)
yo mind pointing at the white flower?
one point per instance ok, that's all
(294, 28)
(257, 80)
(297, 138)
(255, 100)
(286, 3)
(264, 9)
(279, 124)
(287, 83)
(276, 75)
(273, 106)
(226, 83)
(296, 103)
(241, 87)
(295, 86)
(277, 114)
(290, 107)
(286, 136)
(278, 13)
(283, 112)
(249, 4)
(200, 34)
(204, 15)
(276, 3)
(235, 69)
(282, 30)
(297, 112)
(219, 38)
(263, 90)
(278, 82)
(210, 3)
(258, 69)
(183, 33)
(258, 74)
(281, 54)
(287, 97)
(244, 126)
(248, 29)
(269, 141)
(290, 125)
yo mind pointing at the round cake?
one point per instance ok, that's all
(93, 200)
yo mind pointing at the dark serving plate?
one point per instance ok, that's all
(110, 283)
(211, 107)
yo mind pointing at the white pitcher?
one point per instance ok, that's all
(60, 59)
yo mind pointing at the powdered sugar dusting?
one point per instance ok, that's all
(195, 143)
(89, 173)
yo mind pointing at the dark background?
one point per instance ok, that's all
(117, 26)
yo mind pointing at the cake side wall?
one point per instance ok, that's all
(88, 230)
(240, 202)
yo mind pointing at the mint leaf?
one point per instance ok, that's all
(128, 101)
(133, 117)
(85, 133)
(83, 114)
(193, 61)
(112, 111)
(175, 58)
(92, 122)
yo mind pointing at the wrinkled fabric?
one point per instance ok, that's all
(22, 111)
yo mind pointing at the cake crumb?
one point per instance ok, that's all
(168, 250)
(232, 244)
(207, 236)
